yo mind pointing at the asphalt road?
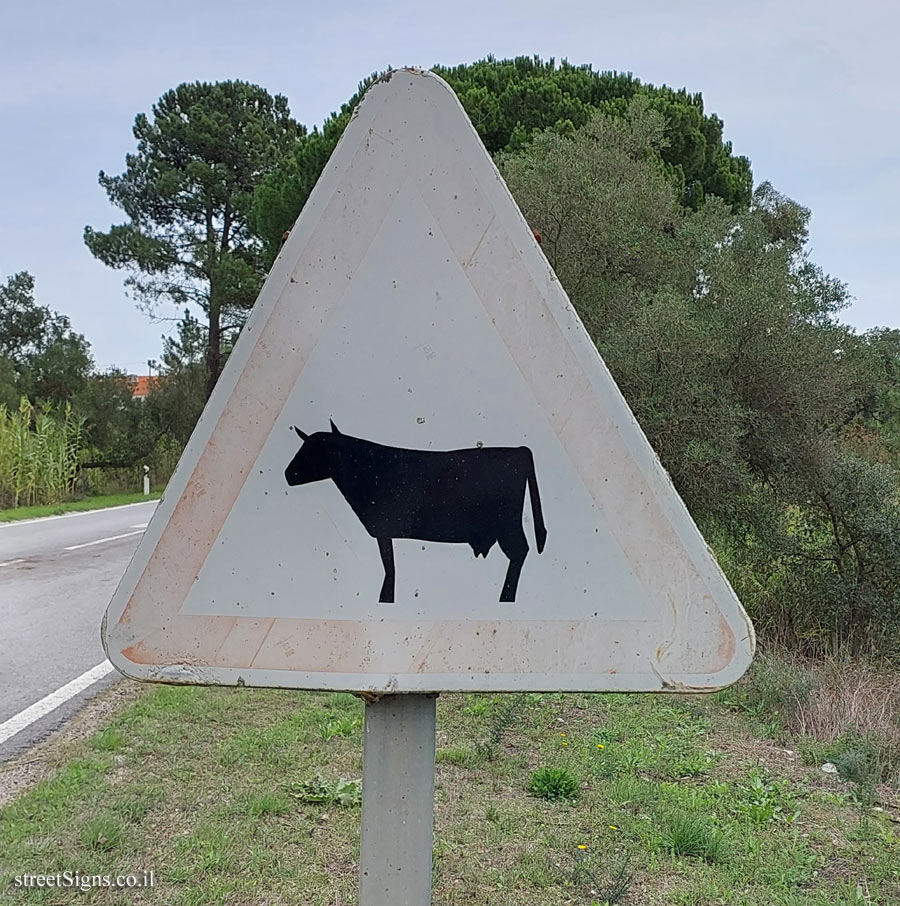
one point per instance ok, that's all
(56, 578)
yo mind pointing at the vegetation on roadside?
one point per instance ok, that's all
(773, 418)
(840, 711)
(39, 454)
(99, 502)
(67, 431)
(239, 795)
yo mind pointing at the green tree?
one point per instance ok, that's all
(882, 413)
(41, 357)
(511, 101)
(283, 192)
(722, 334)
(117, 431)
(187, 193)
(178, 397)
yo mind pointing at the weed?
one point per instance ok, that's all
(554, 784)
(259, 805)
(477, 706)
(103, 833)
(134, 807)
(453, 756)
(696, 764)
(627, 791)
(341, 792)
(343, 700)
(772, 691)
(611, 891)
(683, 834)
(108, 740)
(828, 705)
(859, 764)
(765, 801)
(502, 715)
(624, 761)
(340, 725)
(862, 760)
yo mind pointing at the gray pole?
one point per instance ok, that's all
(398, 801)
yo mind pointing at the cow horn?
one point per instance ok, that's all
(334, 427)
(300, 434)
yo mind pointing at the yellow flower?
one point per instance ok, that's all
(581, 846)
(562, 734)
(613, 827)
(565, 743)
(600, 745)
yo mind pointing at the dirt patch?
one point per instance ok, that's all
(40, 761)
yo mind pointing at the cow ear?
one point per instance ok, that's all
(334, 427)
(300, 434)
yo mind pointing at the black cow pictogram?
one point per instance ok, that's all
(473, 496)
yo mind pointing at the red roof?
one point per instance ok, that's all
(141, 384)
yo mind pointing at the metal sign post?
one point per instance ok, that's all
(398, 801)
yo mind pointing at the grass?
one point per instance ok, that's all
(239, 796)
(553, 784)
(74, 506)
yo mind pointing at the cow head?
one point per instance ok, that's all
(313, 461)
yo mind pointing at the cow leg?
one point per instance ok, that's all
(386, 547)
(516, 548)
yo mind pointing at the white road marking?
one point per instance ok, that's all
(141, 525)
(50, 702)
(108, 509)
(12, 562)
(75, 547)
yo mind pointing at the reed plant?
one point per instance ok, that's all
(40, 449)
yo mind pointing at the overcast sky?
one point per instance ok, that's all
(806, 89)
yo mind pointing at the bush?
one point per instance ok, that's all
(772, 418)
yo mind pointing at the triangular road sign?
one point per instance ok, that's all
(413, 387)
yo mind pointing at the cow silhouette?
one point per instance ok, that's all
(473, 496)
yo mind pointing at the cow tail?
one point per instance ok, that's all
(540, 530)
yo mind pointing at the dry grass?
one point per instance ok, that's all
(853, 698)
(839, 710)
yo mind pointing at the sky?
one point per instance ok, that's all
(806, 91)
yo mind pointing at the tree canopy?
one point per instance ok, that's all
(187, 192)
(40, 355)
(722, 334)
(509, 102)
